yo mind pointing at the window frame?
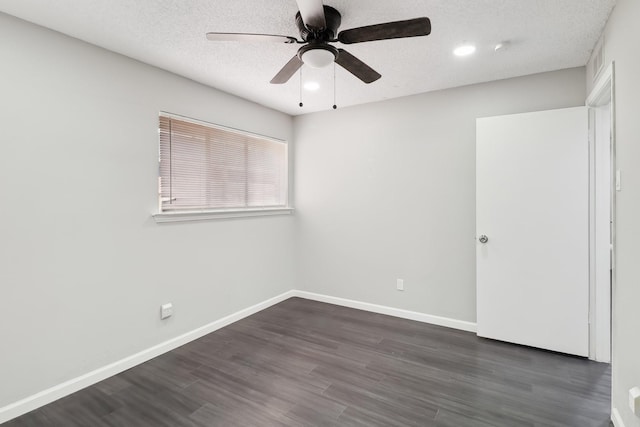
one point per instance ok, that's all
(204, 214)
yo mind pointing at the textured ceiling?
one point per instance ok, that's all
(544, 35)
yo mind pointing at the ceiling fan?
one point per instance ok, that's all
(318, 25)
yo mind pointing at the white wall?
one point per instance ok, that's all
(621, 37)
(387, 190)
(83, 266)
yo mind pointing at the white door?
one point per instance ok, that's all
(532, 204)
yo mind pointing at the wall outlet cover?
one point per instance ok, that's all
(166, 310)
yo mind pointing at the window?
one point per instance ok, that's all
(204, 167)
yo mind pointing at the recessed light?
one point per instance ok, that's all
(312, 86)
(464, 50)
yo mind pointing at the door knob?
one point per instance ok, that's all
(483, 239)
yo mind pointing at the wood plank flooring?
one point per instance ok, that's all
(305, 363)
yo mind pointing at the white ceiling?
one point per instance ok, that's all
(545, 35)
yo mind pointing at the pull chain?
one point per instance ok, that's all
(301, 104)
(334, 86)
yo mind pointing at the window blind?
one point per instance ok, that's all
(206, 167)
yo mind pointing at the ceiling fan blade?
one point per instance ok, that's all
(312, 12)
(287, 71)
(356, 67)
(247, 37)
(390, 30)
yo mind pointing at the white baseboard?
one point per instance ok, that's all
(49, 395)
(616, 418)
(396, 312)
(56, 392)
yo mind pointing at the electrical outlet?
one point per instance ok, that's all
(166, 310)
(400, 284)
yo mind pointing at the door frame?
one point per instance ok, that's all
(600, 308)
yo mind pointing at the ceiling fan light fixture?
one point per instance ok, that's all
(464, 50)
(318, 58)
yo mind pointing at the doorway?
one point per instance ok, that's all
(504, 310)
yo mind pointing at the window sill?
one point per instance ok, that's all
(220, 214)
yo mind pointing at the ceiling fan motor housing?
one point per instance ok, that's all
(333, 20)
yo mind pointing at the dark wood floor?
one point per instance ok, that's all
(305, 363)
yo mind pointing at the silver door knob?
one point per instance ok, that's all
(483, 239)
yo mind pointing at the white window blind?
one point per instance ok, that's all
(206, 167)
